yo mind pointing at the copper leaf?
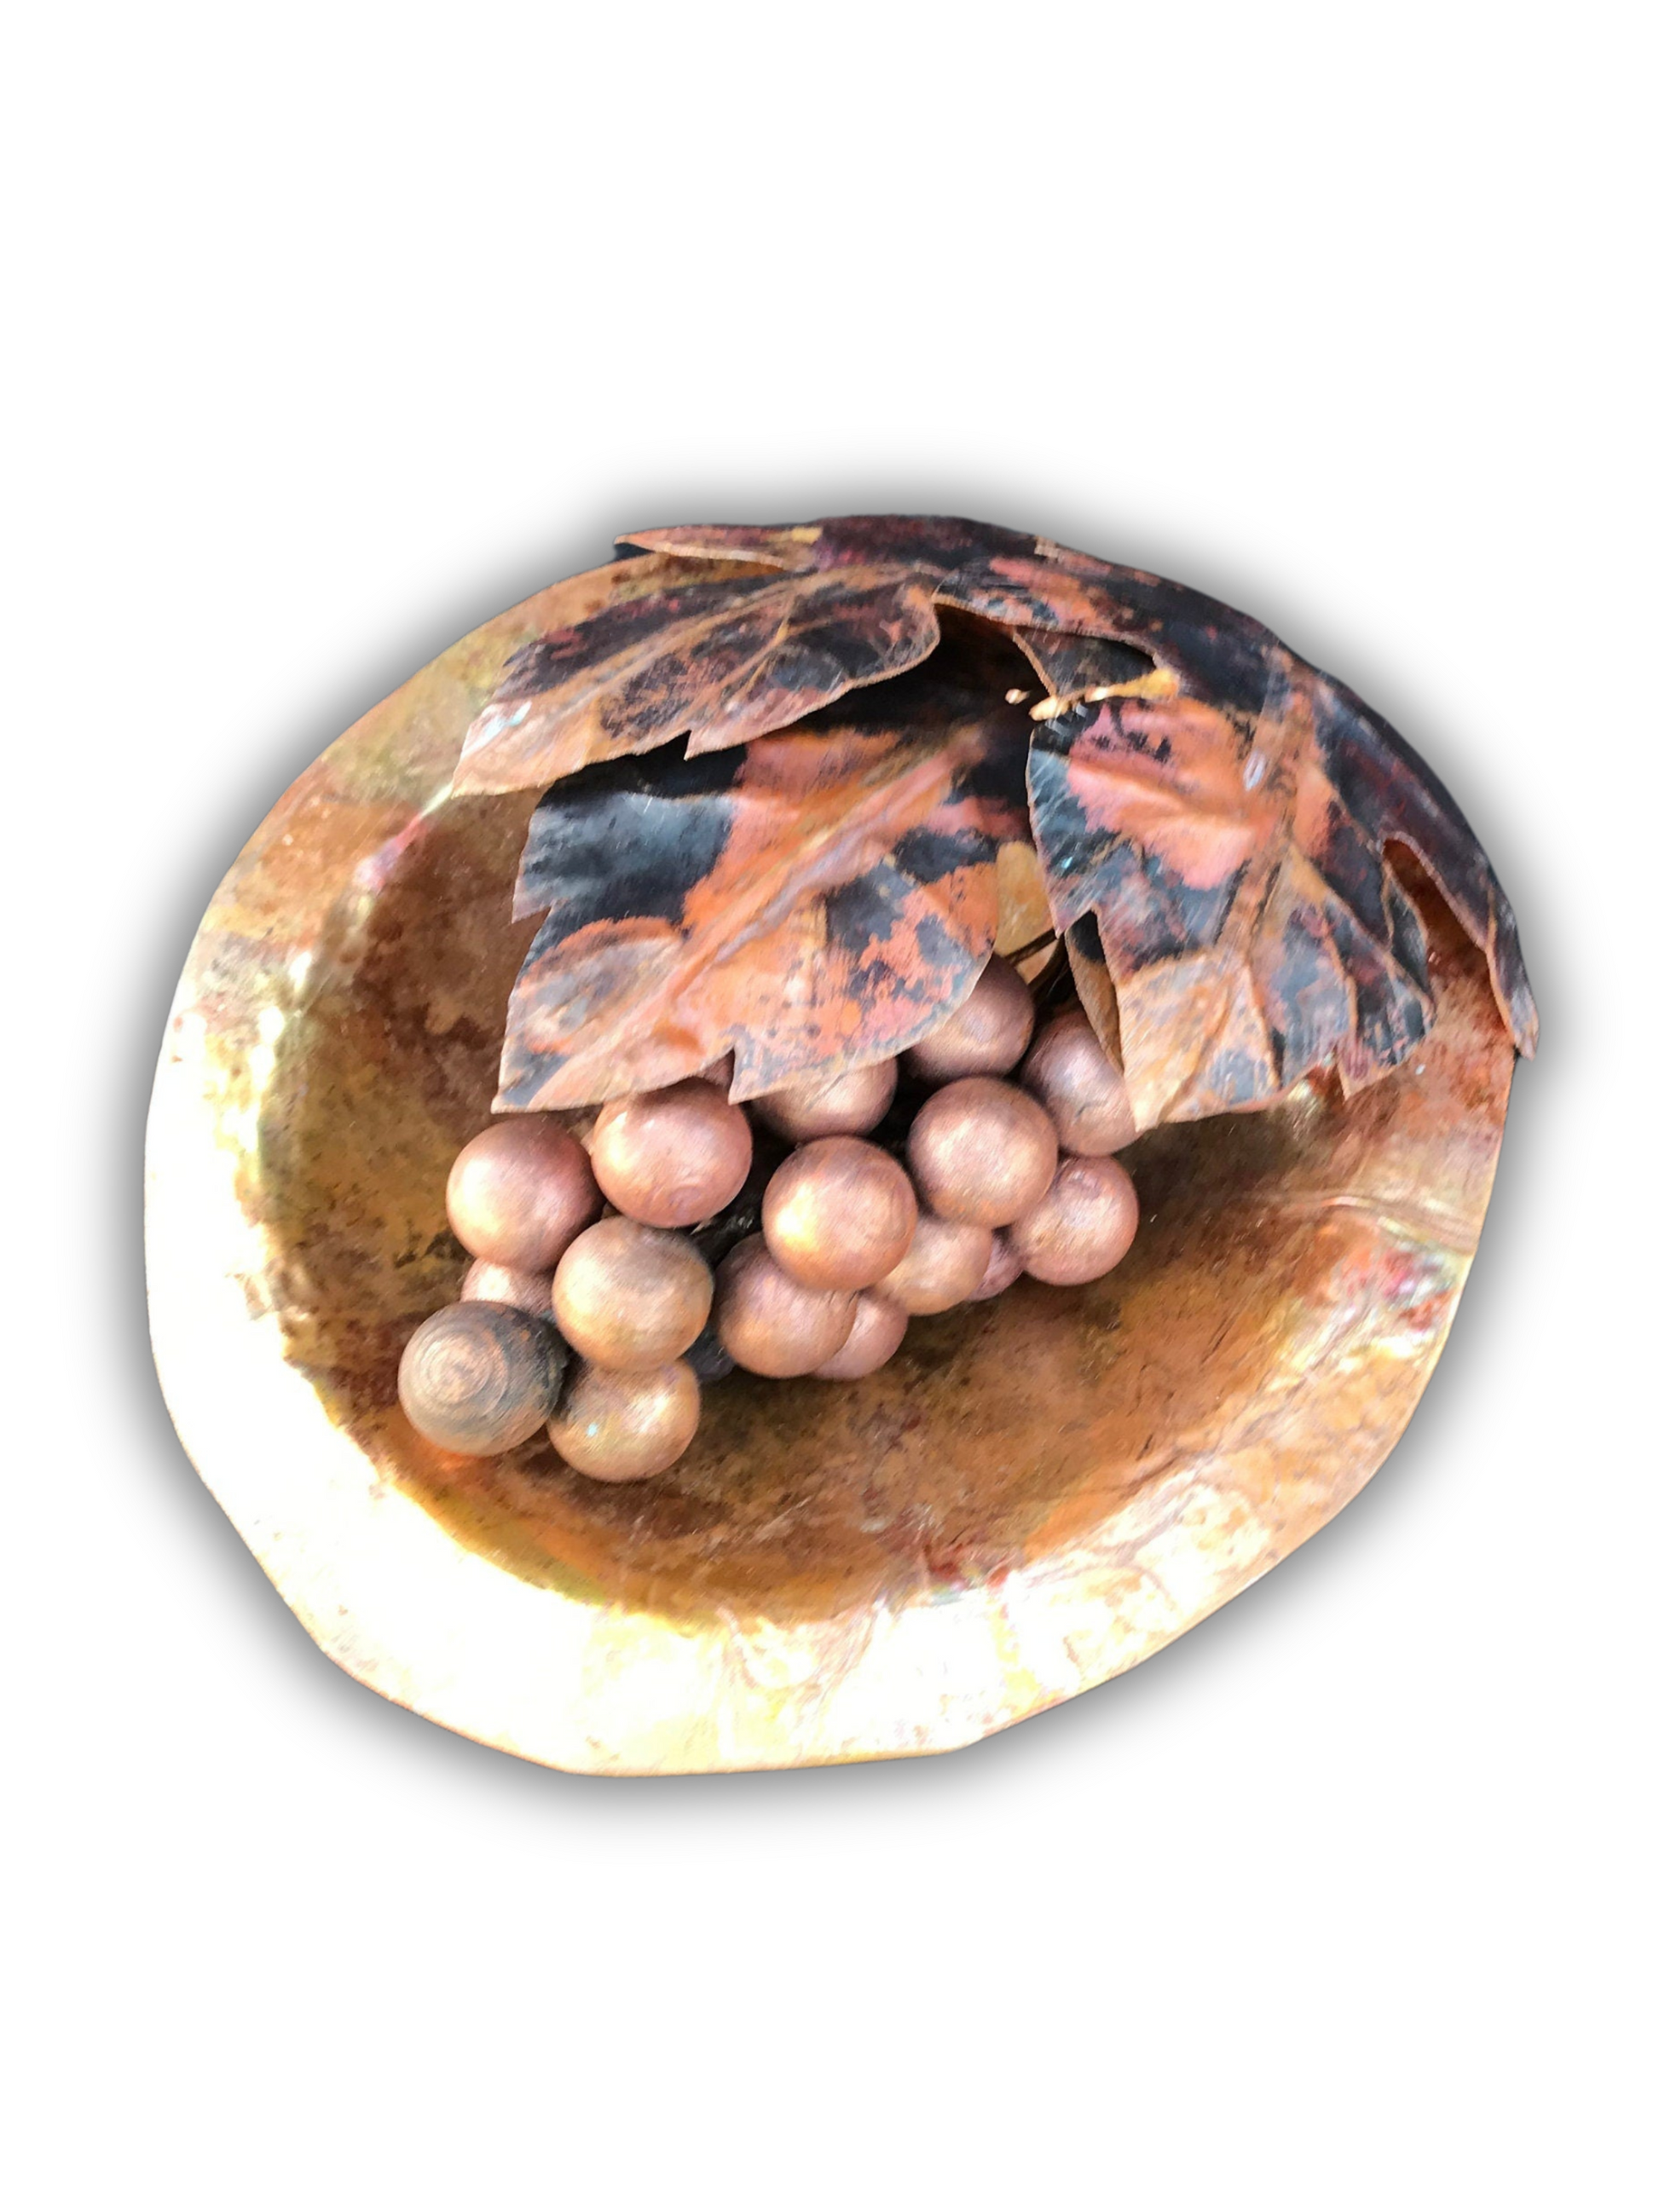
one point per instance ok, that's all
(1228, 825)
(810, 903)
(720, 661)
(1252, 924)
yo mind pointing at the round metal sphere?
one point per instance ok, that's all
(509, 1286)
(479, 1378)
(945, 1264)
(1081, 1226)
(985, 1035)
(520, 1191)
(628, 1296)
(621, 1428)
(672, 1157)
(850, 1106)
(1006, 1266)
(981, 1151)
(876, 1332)
(772, 1324)
(838, 1213)
(1076, 1081)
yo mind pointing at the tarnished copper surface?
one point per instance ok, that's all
(480, 1377)
(1218, 824)
(1034, 1494)
(852, 899)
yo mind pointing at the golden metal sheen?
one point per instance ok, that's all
(1034, 1494)
(838, 1213)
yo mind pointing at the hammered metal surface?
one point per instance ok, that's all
(1037, 1493)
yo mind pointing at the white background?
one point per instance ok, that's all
(334, 329)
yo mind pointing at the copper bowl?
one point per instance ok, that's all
(1035, 1493)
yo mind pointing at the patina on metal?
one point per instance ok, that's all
(1226, 836)
(1035, 1494)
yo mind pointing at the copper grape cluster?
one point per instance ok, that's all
(624, 1259)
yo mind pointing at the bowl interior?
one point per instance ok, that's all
(1276, 1249)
